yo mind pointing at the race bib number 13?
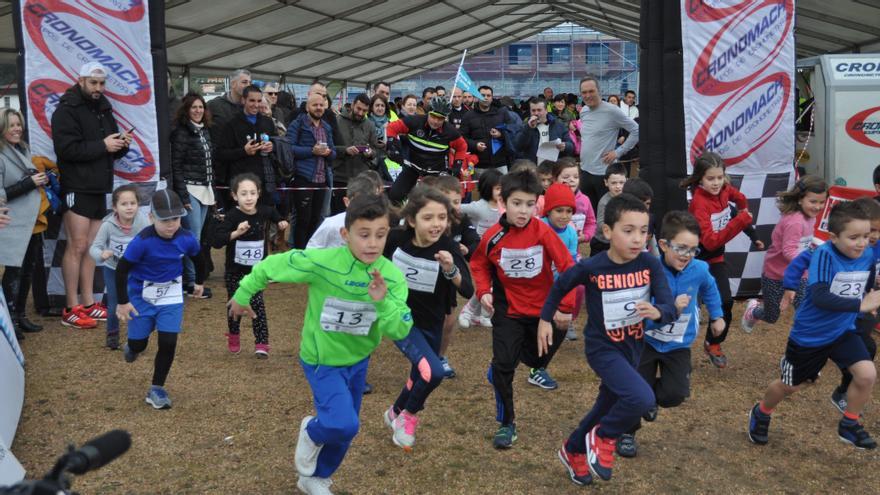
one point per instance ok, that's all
(355, 318)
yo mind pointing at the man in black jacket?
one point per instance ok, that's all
(224, 108)
(486, 133)
(244, 144)
(87, 141)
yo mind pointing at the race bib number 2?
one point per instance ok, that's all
(420, 274)
(619, 306)
(849, 284)
(351, 317)
(522, 263)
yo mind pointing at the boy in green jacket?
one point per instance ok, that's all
(355, 296)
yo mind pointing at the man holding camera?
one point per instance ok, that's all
(355, 149)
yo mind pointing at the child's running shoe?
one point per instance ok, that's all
(716, 355)
(96, 311)
(448, 370)
(651, 415)
(852, 432)
(539, 377)
(112, 341)
(261, 350)
(306, 457)
(748, 320)
(576, 464)
(368, 389)
(233, 342)
(128, 354)
(759, 425)
(571, 333)
(600, 454)
(505, 436)
(838, 399)
(485, 321)
(77, 318)
(312, 485)
(465, 316)
(626, 445)
(403, 427)
(158, 398)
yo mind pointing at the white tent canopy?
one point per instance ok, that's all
(365, 41)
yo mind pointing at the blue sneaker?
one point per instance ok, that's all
(158, 398)
(759, 426)
(505, 436)
(539, 377)
(448, 371)
(853, 433)
(128, 354)
(600, 454)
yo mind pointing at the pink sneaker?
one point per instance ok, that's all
(404, 427)
(748, 319)
(234, 343)
(261, 350)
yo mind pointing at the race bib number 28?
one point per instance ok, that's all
(522, 263)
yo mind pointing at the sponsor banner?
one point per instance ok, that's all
(836, 194)
(856, 69)
(739, 91)
(59, 37)
(855, 130)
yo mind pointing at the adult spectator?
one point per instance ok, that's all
(242, 146)
(270, 94)
(542, 127)
(429, 139)
(383, 89)
(355, 149)
(20, 183)
(614, 100)
(440, 91)
(409, 107)
(629, 104)
(224, 108)
(192, 170)
(329, 115)
(266, 109)
(560, 109)
(379, 117)
(548, 94)
(486, 133)
(600, 125)
(468, 99)
(458, 108)
(87, 141)
(425, 104)
(311, 138)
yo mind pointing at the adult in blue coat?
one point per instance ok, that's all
(542, 127)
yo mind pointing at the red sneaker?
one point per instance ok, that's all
(77, 318)
(233, 341)
(96, 311)
(600, 454)
(716, 355)
(578, 470)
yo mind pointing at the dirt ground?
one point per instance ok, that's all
(234, 422)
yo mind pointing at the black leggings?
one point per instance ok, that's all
(164, 356)
(406, 180)
(721, 273)
(261, 325)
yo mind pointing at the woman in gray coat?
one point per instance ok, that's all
(20, 182)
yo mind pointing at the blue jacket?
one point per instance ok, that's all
(695, 281)
(527, 139)
(302, 140)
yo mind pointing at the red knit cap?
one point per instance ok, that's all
(558, 195)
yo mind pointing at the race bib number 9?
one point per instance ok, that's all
(163, 293)
(420, 274)
(522, 263)
(355, 318)
(720, 219)
(849, 284)
(249, 253)
(619, 306)
(674, 332)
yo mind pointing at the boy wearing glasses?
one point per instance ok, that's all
(669, 346)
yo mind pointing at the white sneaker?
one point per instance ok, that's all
(312, 485)
(404, 428)
(748, 319)
(464, 318)
(306, 457)
(485, 321)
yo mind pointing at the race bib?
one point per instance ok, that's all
(619, 306)
(355, 318)
(163, 293)
(249, 253)
(673, 332)
(420, 274)
(579, 219)
(522, 263)
(720, 219)
(804, 243)
(849, 284)
(118, 244)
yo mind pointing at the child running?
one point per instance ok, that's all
(512, 270)
(710, 205)
(668, 349)
(620, 282)
(559, 205)
(615, 178)
(840, 280)
(116, 232)
(243, 232)
(434, 270)
(152, 297)
(355, 297)
(792, 235)
(483, 214)
(567, 172)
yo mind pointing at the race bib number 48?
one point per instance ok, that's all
(619, 306)
(249, 253)
(849, 284)
(522, 263)
(355, 318)
(163, 293)
(420, 274)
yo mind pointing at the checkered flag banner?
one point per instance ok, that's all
(746, 264)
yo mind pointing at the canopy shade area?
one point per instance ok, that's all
(365, 41)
